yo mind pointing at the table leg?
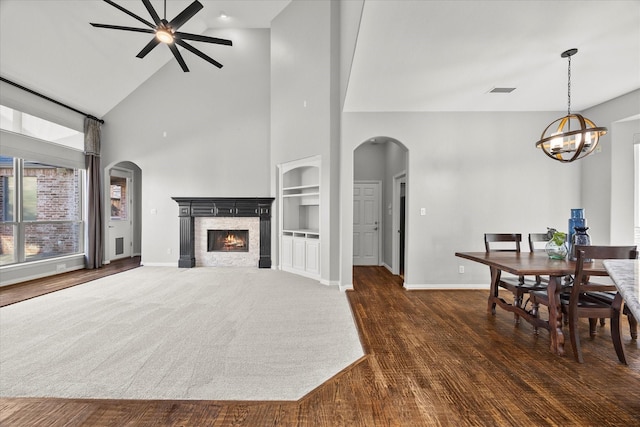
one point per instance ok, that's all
(555, 315)
(493, 290)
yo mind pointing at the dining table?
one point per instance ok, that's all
(536, 263)
(625, 274)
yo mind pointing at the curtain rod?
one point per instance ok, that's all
(50, 99)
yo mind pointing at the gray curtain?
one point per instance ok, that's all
(94, 244)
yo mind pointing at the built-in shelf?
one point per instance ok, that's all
(300, 217)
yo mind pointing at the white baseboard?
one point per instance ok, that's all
(160, 264)
(345, 287)
(445, 287)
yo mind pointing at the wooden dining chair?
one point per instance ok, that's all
(518, 285)
(582, 300)
(540, 238)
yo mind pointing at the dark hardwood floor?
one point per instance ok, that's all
(433, 358)
(33, 288)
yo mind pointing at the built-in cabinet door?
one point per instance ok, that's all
(299, 249)
(287, 252)
(312, 253)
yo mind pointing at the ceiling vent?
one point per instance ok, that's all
(502, 90)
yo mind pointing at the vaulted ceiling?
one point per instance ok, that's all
(410, 55)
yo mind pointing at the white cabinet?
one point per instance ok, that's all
(299, 198)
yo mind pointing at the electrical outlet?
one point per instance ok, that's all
(169, 251)
(461, 269)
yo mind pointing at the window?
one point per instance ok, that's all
(41, 199)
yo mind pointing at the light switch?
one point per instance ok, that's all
(423, 211)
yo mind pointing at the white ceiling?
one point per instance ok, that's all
(411, 55)
(447, 55)
(49, 46)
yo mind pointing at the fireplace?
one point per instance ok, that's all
(198, 215)
(227, 240)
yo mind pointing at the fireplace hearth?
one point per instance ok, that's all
(227, 240)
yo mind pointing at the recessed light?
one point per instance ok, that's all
(502, 90)
(223, 15)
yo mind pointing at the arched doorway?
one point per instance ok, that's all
(379, 188)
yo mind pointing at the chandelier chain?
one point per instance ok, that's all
(569, 88)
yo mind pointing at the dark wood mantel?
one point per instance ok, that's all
(190, 208)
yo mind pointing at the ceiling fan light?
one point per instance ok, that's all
(165, 36)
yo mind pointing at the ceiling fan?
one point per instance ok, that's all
(167, 31)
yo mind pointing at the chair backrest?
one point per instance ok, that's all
(537, 237)
(514, 238)
(586, 254)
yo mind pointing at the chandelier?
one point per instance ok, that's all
(573, 136)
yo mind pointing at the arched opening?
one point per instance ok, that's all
(380, 176)
(123, 210)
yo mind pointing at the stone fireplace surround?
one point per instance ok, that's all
(190, 208)
(205, 258)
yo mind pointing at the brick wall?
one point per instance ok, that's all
(57, 198)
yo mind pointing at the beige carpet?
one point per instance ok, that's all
(168, 333)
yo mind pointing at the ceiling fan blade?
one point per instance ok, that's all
(118, 27)
(175, 52)
(197, 52)
(148, 48)
(151, 11)
(206, 39)
(185, 15)
(133, 15)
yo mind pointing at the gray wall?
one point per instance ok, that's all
(474, 173)
(217, 135)
(480, 172)
(607, 178)
(305, 107)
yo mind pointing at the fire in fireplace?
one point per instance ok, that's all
(228, 240)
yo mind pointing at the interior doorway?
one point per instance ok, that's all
(120, 242)
(122, 195)
(384, 160)
(399, 223)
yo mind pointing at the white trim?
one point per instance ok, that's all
(344, 288)
(446, 286)
(163, 264)
(34, 149)
(398, 180)
(22, 272)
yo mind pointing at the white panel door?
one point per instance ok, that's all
(120, 221)
(366, 227)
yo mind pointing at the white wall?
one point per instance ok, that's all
(305, 106)
(607, 176)
(217, 135)
(473, 173)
